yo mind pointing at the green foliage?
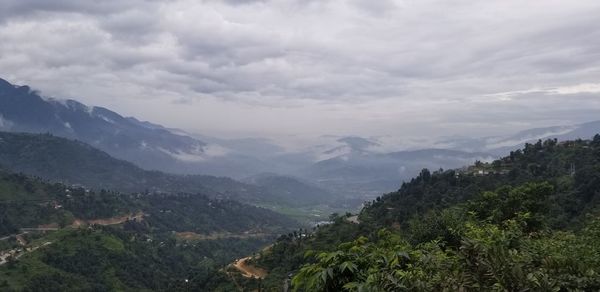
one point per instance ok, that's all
(500, 253)
(113, 259)
(528, 202)
(134, 255)
(570, 167)
(200, 214)
(29, 202)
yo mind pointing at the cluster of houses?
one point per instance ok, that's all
(482, 170)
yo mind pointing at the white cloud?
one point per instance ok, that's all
(563, 90)
(579, 88)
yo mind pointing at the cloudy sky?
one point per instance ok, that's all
(307, 67)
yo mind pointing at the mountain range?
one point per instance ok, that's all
(348, 167)
(73, 162)
(500, 145)
(147, 145)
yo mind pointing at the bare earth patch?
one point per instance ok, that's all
(249, 271)
(187, 235)
(139, 216)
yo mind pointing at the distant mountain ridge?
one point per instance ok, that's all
(148, 145)
(75, 162)
(347, 166)
(296, 190)
(371, 173)
(504, 144)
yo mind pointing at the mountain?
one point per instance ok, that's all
(155, 147)
(349, 167)
(368, 166)
(293, 190)
(500, 145)
(148, 145)
(74, 162)
(361, 171)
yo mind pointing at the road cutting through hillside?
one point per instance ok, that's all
(249, 271)
(109, 221)
(187, 235)
(17, 253)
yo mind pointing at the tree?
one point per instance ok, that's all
(425, 175)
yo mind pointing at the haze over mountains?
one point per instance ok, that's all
(347, 166)
(146, 144)
(73, 162)
(500, 145)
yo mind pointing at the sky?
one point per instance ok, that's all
(305, 67)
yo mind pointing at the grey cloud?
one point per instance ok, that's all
(241, 2)
(388, 65)
(20, 8)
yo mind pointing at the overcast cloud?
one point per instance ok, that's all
(364, 67)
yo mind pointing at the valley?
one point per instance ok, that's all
(299, 146)
(81, 212)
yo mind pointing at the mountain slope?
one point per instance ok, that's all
(74, 162)
(371, 173)
(292, 189)
(527, 220)
(29, 202)
(500, 145)
(99, 241)
(148, 145)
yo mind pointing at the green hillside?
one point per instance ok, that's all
(64, 238)
(527, 222)
(126, 258)
(29, 202)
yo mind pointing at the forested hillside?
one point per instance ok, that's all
(124, 258)
(527, 222)
(29, 202)
(55, 237)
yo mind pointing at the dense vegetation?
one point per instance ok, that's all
(144, 253)
(573, 168)
(500, 242)
(526, 222)
(124, 259)
(29, 202)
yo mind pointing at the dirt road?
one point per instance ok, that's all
(109, 221)
(249, 271)
(219, 235)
